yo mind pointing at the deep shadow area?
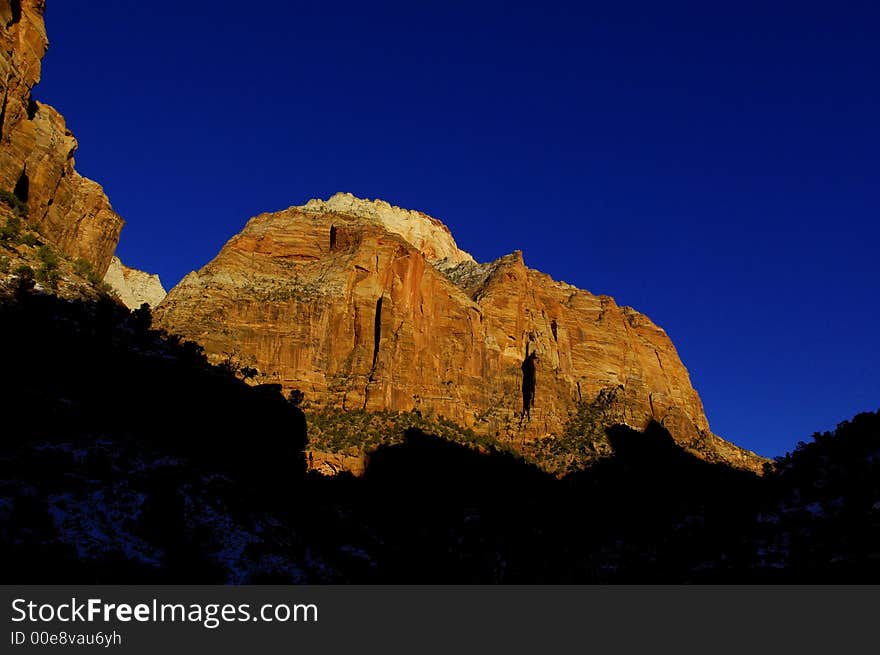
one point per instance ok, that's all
(528, 383)
(126, 457)
(110, 432)
(645, 514)
(15, 11)
(95, 369)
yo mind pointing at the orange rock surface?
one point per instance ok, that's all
(36, 148)
(367, 306)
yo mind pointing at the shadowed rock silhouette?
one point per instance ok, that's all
(528, 383)
(128, 458)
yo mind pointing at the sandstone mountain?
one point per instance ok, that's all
(369, 307)
(37, 149)
(361, 305)
(134, 287)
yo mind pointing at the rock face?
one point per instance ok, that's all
(36, 148)
(367, 306)
(331, 464)
(426, 234)
(134, 287)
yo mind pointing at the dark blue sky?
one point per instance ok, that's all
(714, 165)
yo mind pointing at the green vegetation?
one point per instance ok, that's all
(13, 202)
(583, 441)
(11, 232)
(49, 277)
(84, 269)
(107, 290)
(48, 274)
(584, 438)
(48, 256)
(24, 271)
(25, 275)
(14, 232)
(239, 366)
(4, 264)
(361, 431)
(29, 239)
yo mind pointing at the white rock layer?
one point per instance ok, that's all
(133, 286)
(425, 233)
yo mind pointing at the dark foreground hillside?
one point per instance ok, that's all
(125, 457)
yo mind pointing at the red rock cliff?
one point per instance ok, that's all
(367, 306)
(36, 148)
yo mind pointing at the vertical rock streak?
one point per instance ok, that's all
(377, 335)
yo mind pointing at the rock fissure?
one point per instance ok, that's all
(22, 186)
(15, 9)
(377, 336)
(3, 112)
(529, 382)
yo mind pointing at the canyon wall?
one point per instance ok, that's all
(362, 305)
(37, 150)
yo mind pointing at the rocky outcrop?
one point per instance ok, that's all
(431, 237)
(366, 306)
(331, 464)
(134, 287)
(37, 149)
